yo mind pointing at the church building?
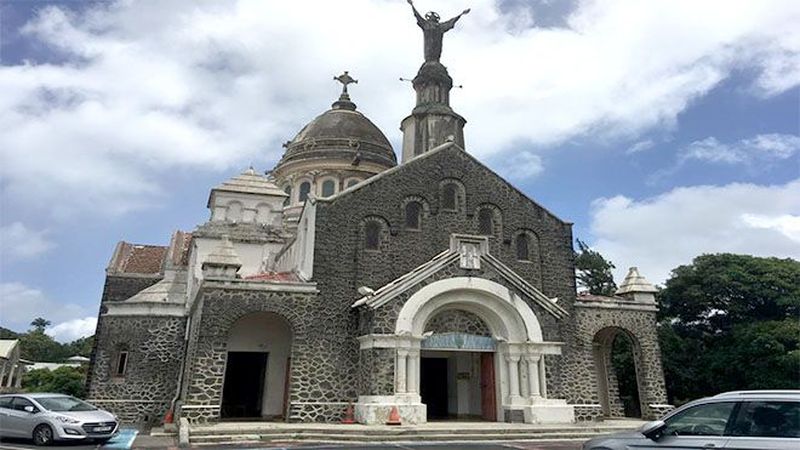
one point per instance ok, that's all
(342, 277)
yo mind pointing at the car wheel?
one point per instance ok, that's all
(43, 435)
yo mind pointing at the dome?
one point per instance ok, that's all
(341, 133)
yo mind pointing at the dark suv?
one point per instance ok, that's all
(733, 420)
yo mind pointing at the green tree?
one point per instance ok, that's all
(594, 271)
(730, 322)
(39, 324)
(64, 380)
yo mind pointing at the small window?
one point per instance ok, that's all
(5, 402)
(413, 212)
(352, 182)
(702, 420)
(372, 236)
(288, 191)
(328, 188)
(522, 247)
(449, 197)
(486, 222)
(20, 403)
(122, 364)
(305, 188)
(768, 419)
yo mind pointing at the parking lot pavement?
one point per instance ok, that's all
(549, 445)
(122, 441)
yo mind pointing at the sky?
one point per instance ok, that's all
(662, 129)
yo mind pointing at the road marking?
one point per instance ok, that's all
(11, 447)
(123, 440)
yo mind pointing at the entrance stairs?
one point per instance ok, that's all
(450, 431)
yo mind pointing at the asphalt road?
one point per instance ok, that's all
(145, 442)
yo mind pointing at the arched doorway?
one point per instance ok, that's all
(457, 371)
(257, 367)
(617, 360)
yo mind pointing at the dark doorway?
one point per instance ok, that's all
(433, 386)
(244, 384)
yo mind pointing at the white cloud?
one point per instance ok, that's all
(640, 146)
(660, 233)
(148, 88)
(20, 304)
(520, 166)
(763, 147)
(18, 241)
(73, 329)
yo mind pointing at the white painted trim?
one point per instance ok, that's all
(507, 315)
(612, 305)
(246, 285)
(200, 406)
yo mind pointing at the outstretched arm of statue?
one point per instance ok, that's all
(420, 19)
(452, 22)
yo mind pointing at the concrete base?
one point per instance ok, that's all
(549, 411)
(375, 409)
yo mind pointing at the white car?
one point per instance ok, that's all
(49, 417)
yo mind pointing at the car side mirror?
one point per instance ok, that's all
(652, 430)
(29, 409)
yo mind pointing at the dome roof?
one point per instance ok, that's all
(341, 132)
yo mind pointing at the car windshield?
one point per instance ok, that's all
(65, 403)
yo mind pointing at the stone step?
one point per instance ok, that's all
(371, 438)
(345, 430)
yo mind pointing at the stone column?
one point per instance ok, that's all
(18, 380)
(513, 377)
(542, 378)
(10, 380)
(413, 372)
(533, 375)
(3, 364)
(400, 366)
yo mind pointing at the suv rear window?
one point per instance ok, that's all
(708, 419)
(768, 419)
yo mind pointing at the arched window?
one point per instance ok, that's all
(305, 188)
(449, 197)
(486, 222)
(328, 188)
(413, 213)
(353, 182)
(522, 247)
(288, 200)
(372, 236)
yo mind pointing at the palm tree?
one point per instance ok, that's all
(39, 324)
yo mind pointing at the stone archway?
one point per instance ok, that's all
(519, 363)
(257, 367)
(613, 400)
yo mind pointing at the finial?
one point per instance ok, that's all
(344, 99)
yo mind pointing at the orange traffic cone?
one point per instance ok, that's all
(394, 417)
(168, 418)
(348, 414)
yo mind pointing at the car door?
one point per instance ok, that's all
(19, 422)
(767, 425)
(699, 427)
(5, 406)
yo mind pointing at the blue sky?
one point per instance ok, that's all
(663, 130)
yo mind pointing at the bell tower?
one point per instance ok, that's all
(432, 121)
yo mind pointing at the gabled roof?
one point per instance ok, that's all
(419, 160)
(249, 182)
(7, 347)
(444, 259)
(137, 259)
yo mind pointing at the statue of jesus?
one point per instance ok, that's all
(433, 31)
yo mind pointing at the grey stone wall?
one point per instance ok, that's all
(457, 321)
(122, 287)
(323, 354)
(376, 371)
(155, 351)
(582, 367)
(341, 264)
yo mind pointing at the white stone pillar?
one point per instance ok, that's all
(18, 381)
(542, 378)
(400, 366)
(533, 375)
(10, 379)
(513, 377)
(413, 372)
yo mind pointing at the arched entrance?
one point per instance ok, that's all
(257, 367)
(513, 339)
(617, 356)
